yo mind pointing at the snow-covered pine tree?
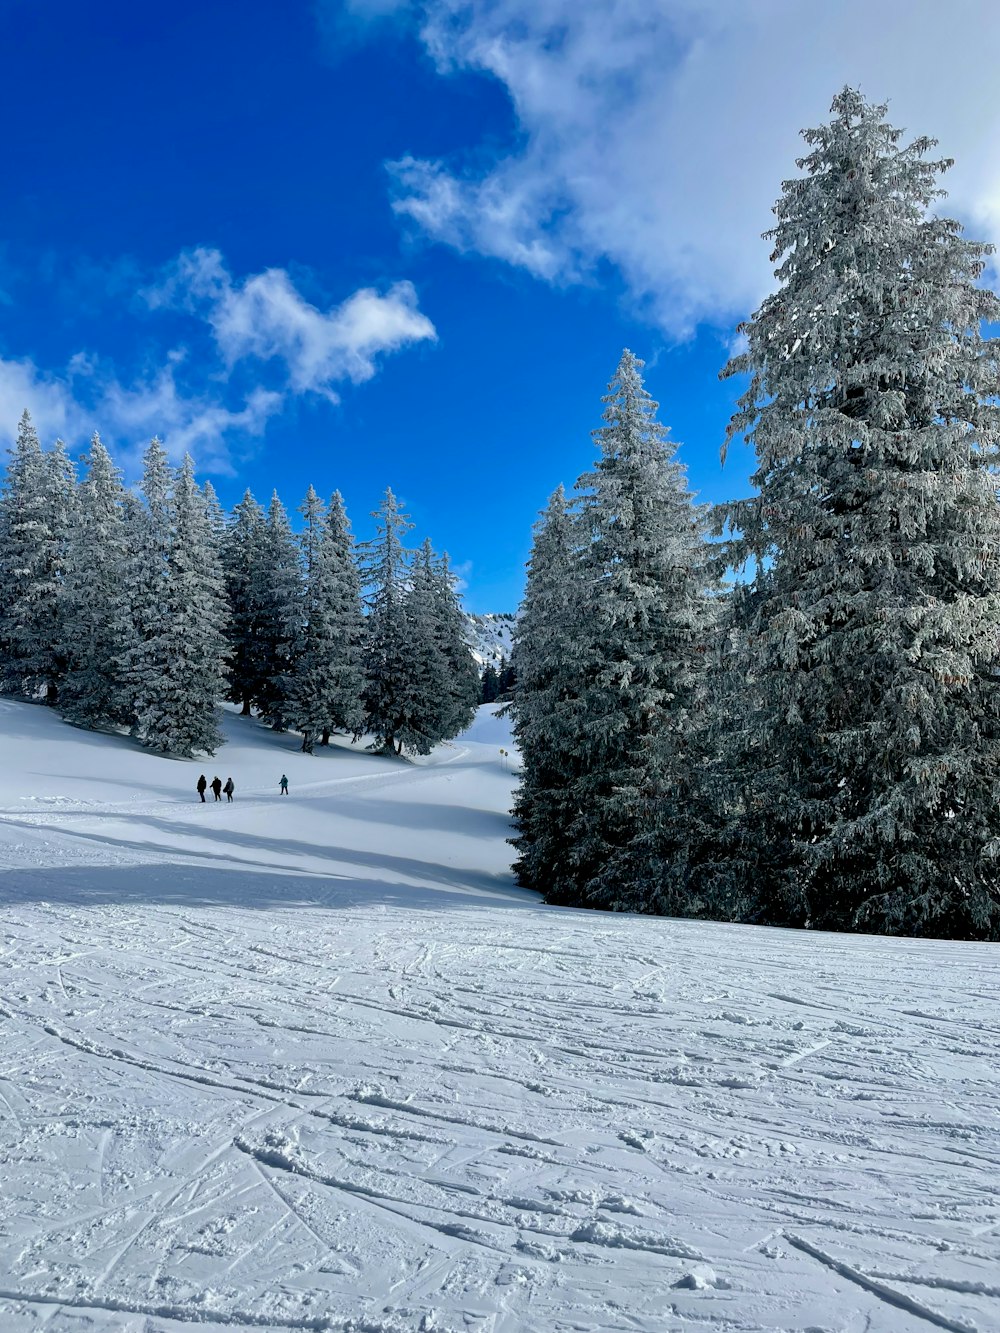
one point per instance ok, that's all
(638, 831)
(177, 708)
(63, 490)
(872, 619)
(35, 514)
(324, 687)
(346, 684)
(245, 565)
(388, 646)
(281, 606)
(149, 537)
(424, 713)
(463, 685)
(546, 707)
(95, 602)
(216, 516)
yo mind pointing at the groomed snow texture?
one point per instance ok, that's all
(315, 1063)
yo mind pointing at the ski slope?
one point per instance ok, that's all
(315, 1063)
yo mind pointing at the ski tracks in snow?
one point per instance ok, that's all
(283, 1100)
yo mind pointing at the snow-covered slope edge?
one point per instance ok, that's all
(314, 1063)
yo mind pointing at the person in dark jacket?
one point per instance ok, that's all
(229, 788)
(283, 784)
(202, 784)
(217, 788)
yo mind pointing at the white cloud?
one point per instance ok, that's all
(499, 216)
(656, 135)
(48, 398)
(265, 317)
(462, 573)
(196, 408)
(86, 397)
(196, 424)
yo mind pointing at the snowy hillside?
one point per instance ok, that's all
(315, 1063)
(490, 636)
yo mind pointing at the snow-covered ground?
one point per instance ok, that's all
(314, 1063)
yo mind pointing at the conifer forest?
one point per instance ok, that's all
(782, 711)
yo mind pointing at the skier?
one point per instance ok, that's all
(283, 784)
(229, 788)
(202, 784)
(217, 788)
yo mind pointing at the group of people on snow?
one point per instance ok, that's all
(217, 788)
(229, 787)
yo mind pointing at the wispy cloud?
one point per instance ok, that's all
(198, 424)
(49, 399)
(656, 135)
(345, 23)
(87, 396)
(265, 317)
(195, 403)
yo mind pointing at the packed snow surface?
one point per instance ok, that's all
(313, 1062)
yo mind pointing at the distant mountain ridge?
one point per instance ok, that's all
(490, 636)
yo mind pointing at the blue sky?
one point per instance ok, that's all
(363, 243)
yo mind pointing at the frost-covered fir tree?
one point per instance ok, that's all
(425, 703)
(96, 611)
(36, 506)
(216, 516)
(246, 569)
(326, 682)
(871, 624)
(463, 685)
(546, 706)
(387, 649)
(149, 538)
(345, 698)
(281, 618)
(638, 831)
(176, 704)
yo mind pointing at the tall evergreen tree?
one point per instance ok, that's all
(346, 685)
(871, 623)
(547, 700)
(387, 653)
(462, 688)
(425, 702)
(326, 681)
(281, 613)
(638, 831)
(216, 516)
(176, 706)
(95, 607)
(149, 539)
(246, 570)
(35, 515)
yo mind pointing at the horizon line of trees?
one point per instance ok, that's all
(142, 612)
(818, 746)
